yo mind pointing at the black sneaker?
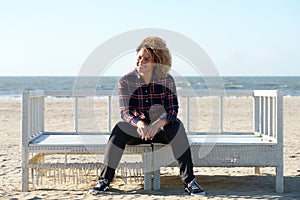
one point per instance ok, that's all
(102, 185)
(194, 188)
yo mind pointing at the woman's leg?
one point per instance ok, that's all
(121, 134)
(176, 136)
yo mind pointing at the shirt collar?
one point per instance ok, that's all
(136, 73)
(138, 76)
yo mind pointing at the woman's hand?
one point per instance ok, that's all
(142, 129)
(154, 128)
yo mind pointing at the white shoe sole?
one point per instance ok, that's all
(94, 191)
(191, 193)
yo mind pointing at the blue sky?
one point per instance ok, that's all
(55, 37)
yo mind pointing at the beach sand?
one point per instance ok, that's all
(220, 183)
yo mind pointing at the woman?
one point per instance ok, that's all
(149, 107)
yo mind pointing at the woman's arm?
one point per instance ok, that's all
(126, 109)
(171, 101)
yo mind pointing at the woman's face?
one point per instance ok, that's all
(144, 63)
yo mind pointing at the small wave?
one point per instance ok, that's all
(7, 97)
(233, 86)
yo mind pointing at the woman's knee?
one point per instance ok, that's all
(172, 129)
(123, 129)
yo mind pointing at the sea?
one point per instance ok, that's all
(11, 87)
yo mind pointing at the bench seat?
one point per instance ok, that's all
(228, 138)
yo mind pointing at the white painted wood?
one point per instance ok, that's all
(76, 114)
(228, 140)
(69, 140)
(273, 117)
(109, 114)
(36, 93)
(256, 112)
(221, 113)
(25, 134)
(184, 93)
(266, 120)
(100, 139)
(280, 167)
(265, 93)
(261, 115)
(188, 113)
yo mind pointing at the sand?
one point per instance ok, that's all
(220, 183)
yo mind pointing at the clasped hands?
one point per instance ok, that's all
(147, 132)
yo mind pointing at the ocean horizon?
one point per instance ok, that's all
(11, 87)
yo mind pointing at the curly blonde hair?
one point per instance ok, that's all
(160, 53)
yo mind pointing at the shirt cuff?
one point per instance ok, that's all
(170, 117)
(135, 120)
(163, 116)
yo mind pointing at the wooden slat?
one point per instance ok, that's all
(185, 92)
(25, 135)
(266, 93)
(36, 93)
(101, 140)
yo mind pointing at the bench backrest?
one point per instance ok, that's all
(267, 110)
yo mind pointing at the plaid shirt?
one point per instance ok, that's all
(147, 102)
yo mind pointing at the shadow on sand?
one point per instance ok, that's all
(245, 187)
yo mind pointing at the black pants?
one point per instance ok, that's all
(124, 133)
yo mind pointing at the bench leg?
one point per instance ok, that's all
(156, 179)
(25, 173)
(162, 156)
(156, 168)
(24, 179)
(279, 179)
(147, 170)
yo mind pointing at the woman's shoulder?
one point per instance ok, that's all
(164, 78)
(169, 78)
(129, 76)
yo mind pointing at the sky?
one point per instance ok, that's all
(242, 38)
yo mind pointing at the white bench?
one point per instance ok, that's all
(262, 147)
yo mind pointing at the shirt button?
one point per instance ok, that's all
(146, 91)
(146, 101)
